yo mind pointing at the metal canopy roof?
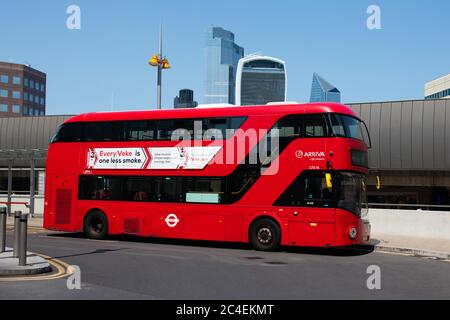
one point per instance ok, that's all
(408, 135)
(22, 154)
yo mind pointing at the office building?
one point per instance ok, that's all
(323, 91)
(185, 99)
(260, 80)
(222, 55)
(22, 90)
(438, 88)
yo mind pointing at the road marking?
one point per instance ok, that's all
(412, 255)
(62, 268)
(106, 241)
(396, 253)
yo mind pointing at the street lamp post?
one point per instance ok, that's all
(161, 63)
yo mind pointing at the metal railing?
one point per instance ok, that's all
(404, 206)
(21, 195)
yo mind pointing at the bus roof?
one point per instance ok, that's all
(214, 112)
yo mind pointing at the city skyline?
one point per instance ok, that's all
(322, 90)
(185, 99)
(222, 55)
(106, 59)
(260, 80)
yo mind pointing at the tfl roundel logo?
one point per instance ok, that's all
(172, 220)
(299, 154)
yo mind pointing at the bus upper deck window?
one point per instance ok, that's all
(70, 132)
(314, 126)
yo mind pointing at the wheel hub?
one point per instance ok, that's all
(264, 235)
(97, 226)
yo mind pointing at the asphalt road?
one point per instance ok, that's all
(136, 268)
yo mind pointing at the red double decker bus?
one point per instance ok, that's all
(273, 175)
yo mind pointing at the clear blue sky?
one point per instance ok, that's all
(109, 55)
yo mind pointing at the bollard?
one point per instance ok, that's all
(3, 212)
(23, 239)
(16, 233)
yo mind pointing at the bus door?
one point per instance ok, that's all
(310, 210)
(63, 201)
(167, 212)
(203, 218)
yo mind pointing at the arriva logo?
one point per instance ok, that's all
(312, 154)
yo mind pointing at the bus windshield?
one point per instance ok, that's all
(310, 189)
(351, 193)
(349, 127)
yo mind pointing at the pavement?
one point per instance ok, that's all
(437, 248)
(9, 266)
(36, 222)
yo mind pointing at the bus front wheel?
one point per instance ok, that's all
(265, 235)
(96, 225)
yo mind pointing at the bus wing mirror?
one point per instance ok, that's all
(328, 180)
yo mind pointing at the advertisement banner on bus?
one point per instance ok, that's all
(150, 158)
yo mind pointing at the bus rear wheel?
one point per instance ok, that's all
(96, 225)
(265, 235)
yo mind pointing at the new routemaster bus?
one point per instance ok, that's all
(286, 174)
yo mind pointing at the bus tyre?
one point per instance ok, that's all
(265, 235)
(96, 225)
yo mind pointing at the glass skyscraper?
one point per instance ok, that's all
(260, 80)
(323, 91)
(222, 56)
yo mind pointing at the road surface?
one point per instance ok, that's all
(139, 268)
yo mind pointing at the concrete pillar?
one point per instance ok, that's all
(32, 186)
(23, 239)
(10, 166)
(17, 215)
(2, 229)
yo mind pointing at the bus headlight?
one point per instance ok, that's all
(352, 233)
